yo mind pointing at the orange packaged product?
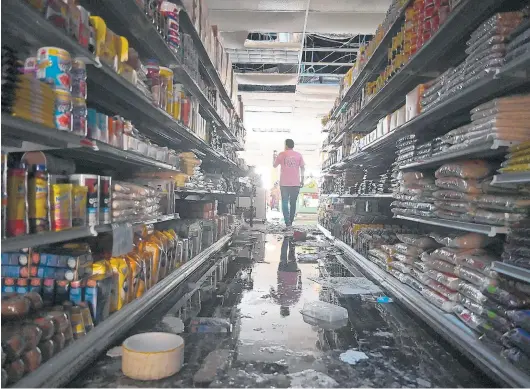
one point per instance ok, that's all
(162, 241)
(172, 252)
(144, 272)
(133, 263)
(120, 273)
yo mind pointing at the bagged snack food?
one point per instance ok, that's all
(451, 255)
(508, 299)
(421, 266)
(453, 195)
(436, 264)
(498, 218)
(422, 241)
(520, 318)
(455, 206)
(465, 169)
(400, 266)
(517, 357)
(381, 255)
(413, 283)
(518, 337)
(404, 258)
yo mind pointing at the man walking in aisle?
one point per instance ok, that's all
(291, 179)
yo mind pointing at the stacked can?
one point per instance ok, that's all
(170, 12)
(79, 94)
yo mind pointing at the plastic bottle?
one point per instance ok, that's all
(38, 210)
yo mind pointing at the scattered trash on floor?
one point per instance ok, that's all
(311, 379)
(348, 286)
(210, 324)
(115, 352)
(216, 360)
(384, 300)
(325, 312)
(352, 356)
(174, 323)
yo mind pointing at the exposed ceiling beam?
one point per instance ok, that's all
(338, 49)
(321, 75)
(323, 63)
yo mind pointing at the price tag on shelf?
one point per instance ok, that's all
(122, 239)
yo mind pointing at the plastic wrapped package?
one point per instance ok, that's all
(504, 203)
(421, 266)
(413, 283)
(418, 275)
(438, 300)
(475, 277)
(421, 206)
(465, 240)
(449, 280)
(422, 241)
(396, 273)
(523, 167)
(496, 24)
(477, 323)
(470, 186)
(515, 52)
(476, 169)
(472, 305)
(377, 261)
(451, 215)
(478, 262)
(455, 206)
(453, 195)
(504, 104)
(411, 212)
(521, 318)
(498, 218)
(518, 358)
(407, 249)
(519, 338)
(400, 266)
(516, 161)
(381, 255)
(510, 300)
(436, 264)
(442, 289)
(472, 292)
(452, 255)
(519, 41)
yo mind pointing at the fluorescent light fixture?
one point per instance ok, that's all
(259, 108)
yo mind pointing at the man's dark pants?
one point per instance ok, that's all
(289, 199)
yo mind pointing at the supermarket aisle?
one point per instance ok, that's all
(273, 346)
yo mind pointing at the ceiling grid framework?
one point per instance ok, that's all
(289, 57)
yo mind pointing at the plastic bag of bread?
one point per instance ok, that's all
(451, 255)
(404, 258)
(478, 262)
(396, 273)
(463, 240)
(475, 168)
(420, 276)
(438, 300)
(449, 280)
(504, 202)
(442, 289)
(476, 278)
(400, 266)
(413, 283)
(422, 241)
(470, 186)
(421, 266)
(381, 255)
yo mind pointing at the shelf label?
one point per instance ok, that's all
(122, 239)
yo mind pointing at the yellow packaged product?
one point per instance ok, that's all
(164, 242)
(79, 205)
(172, 254)
(120, 274)
(144, 272)
(60, 207)
(133, 275)
(523, 167)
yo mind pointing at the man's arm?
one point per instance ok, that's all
(302, 171)
(278, 160)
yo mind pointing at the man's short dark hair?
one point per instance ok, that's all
(289, 143)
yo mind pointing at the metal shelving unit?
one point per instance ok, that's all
(516, 272)
(475, 151)
(63, 367)
(197, 195)
(128, 19)
(466, 342)
(374, 64)
(425, 64)
(511, 178)
(463, 226)
(50, 237)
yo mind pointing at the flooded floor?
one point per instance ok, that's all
(272, 344)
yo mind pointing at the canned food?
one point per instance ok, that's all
(38, 200)
(54, 65)
(61, 207)
(16, 201)
(105, 183)
(78, 75)
(79, 205)
(63, 110)
(79, 116)
(91, 181)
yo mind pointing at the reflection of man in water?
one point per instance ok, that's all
(289, 279)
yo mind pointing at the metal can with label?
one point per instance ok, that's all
(91, 181)
(54, 66)
(105, 199)
(63, 110)
(17, 201)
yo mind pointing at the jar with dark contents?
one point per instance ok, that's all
(46, 325)
(58, 343)
(47, 349)
(35, 300)
(32, 359)
(78, 78)
(15, 371)
(32, 335)
(87, 316)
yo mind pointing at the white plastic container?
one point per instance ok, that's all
(325, 312)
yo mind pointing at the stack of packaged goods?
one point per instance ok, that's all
(56, 294)
(517, 248)
(517, 160)
(465, 194)
(134, 202)
(414, 197)
(519, 40)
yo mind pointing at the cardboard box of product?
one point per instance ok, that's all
(401, 116)
(413, 101)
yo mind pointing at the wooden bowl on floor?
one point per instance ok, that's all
(152, 355)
